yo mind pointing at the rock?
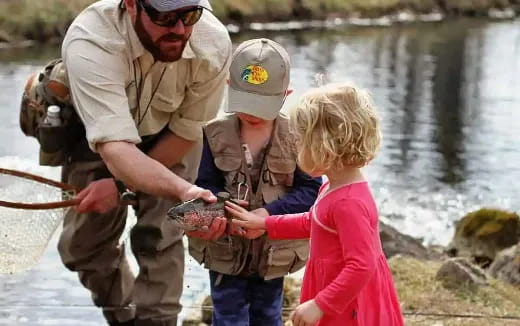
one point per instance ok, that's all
(4, 37)
(506, 265)
(480, 235)
(395, 243)
(457, 272)
(207, 310)
(291, 296)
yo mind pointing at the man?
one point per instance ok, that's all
(145, 75)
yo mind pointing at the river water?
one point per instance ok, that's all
(449, 99)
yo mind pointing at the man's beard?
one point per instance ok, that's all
(154, 48)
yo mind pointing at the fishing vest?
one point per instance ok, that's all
(66, 143)
(233, 255)
(50, 87)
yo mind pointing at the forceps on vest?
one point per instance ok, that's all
(242, 185)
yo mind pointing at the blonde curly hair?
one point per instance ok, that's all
(335, 126)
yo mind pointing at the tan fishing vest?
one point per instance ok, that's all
(233, 255)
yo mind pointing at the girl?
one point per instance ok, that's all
(347, 279)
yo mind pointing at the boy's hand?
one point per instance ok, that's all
(248, 220)
(306, 314)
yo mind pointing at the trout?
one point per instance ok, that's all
(197, 214)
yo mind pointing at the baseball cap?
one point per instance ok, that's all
(169, 5)
(259, 77)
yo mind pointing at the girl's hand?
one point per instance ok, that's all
(306, 314)
(247, 219)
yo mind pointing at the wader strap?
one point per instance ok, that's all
(219, 279)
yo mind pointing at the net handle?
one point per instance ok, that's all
(50, 205)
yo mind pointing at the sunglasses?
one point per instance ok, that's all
(188, 17)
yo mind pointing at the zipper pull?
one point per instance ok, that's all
(270, 256)
(230, 242)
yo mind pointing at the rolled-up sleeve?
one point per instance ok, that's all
(97, 82)
(202, 100)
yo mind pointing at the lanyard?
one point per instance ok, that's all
(255, 195)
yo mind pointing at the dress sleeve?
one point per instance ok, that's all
(289, 226)
(360, 242)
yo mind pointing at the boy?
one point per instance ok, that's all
(248, 153)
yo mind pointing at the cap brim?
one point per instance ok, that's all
(167, 5)
(263, 107)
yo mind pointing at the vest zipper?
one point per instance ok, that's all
(270, 256)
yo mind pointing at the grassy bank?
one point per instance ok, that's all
(419, 291)
(43, 20)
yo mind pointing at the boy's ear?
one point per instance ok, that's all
(227, 81)
(288, 92)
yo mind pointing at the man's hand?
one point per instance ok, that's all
(306, 314)
(194, 192)
(100, 196)
(216, 230)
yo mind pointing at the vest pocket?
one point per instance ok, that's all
(279, 177)
(224, 257)
(283, 257)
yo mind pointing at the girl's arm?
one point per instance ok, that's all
(360, 244)
(291, 226)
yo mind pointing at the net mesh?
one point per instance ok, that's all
(24, 234)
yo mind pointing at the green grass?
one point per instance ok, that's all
(38, 20)
(42, 20)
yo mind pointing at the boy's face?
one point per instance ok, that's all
(252, 121)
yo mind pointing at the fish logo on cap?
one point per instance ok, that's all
(254, 74)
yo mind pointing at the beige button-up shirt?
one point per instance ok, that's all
(121, 94)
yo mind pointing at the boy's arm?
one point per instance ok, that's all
(289, 226)
(299, 198)
(209, 177)
(357, 236)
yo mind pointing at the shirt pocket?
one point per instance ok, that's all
(165, 102)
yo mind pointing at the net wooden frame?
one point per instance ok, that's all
(40, 206)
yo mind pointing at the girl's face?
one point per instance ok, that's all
(252, 121)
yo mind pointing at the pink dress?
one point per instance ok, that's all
(347, 273)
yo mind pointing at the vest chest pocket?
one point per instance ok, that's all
(230, 167)
(279, 176)
(281, 171)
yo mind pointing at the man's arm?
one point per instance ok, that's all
(170, 149)
(140, 172)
